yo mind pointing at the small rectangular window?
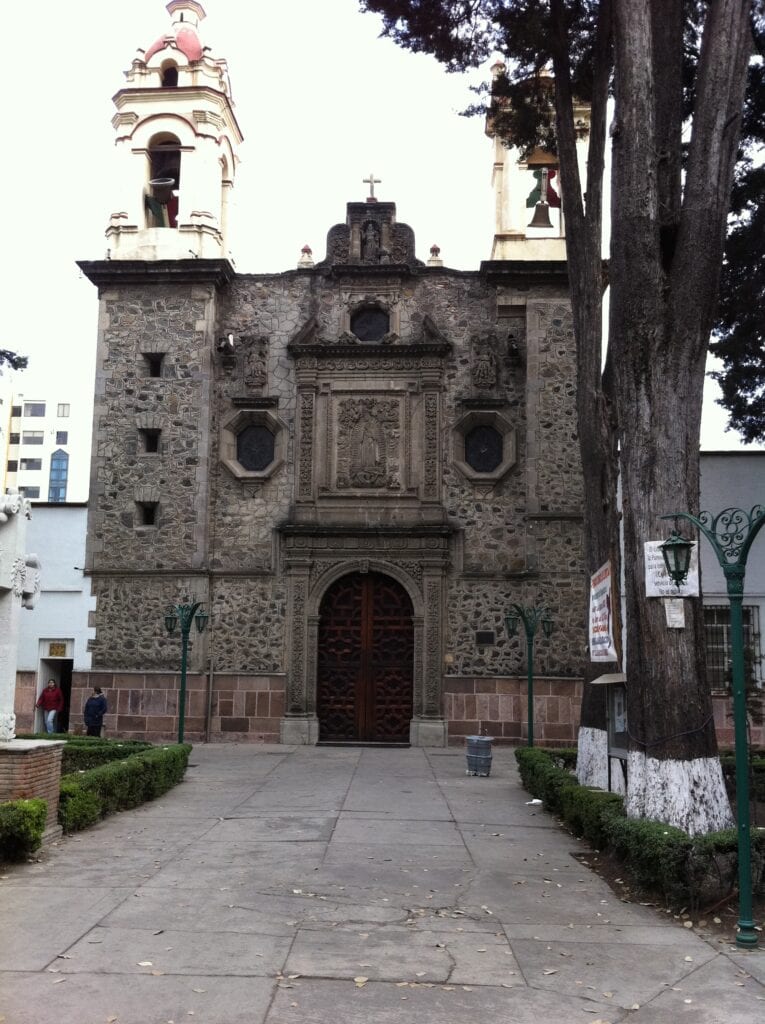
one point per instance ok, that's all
(63, 410)
(31, 464)
(15, 410)
(485, 638)
(62, 437)
(30, 492)
(13, 465)
(147, 513)
(32, 437)
(14, 439)
(34, 408)
(150, 441)
(153, 362)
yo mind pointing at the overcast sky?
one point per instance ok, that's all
(321, 102)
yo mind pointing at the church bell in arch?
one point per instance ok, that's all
(176, 143)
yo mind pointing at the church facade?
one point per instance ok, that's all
(356, 465)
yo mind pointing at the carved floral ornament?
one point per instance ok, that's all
(13, 504)
(311, 340)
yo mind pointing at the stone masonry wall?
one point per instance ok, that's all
(172, 320)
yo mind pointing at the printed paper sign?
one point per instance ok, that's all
(602, 646)
(657, 579)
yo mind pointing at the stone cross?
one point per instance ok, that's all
(19, 588)
(371, 181)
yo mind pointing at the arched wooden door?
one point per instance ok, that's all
(365, 660)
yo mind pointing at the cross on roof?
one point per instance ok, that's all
(372, 181)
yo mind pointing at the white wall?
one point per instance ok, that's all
(56, 534)
(734, 479)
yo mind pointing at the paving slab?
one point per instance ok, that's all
(140, 999)
(261, 887)
(322, 1002)
(114, 950)
(39, 924)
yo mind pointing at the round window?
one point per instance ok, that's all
(255, 446)
(484, 448)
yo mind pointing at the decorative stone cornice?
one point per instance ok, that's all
(105, 273)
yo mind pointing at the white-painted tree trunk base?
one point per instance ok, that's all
(687, 794)
(592, 757)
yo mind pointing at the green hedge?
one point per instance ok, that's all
(757, 777)
(83, 752)
(22, 823)
(683, 869)
(89, 795)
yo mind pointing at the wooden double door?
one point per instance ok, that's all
(365, 661)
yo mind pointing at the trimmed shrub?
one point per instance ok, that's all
(587, 812)
(22, 823)
(683, 869)
(81, 755)
(89, 795)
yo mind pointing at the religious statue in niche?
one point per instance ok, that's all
(367, 443)
(370, 242)
(484, 366)
(255, 362)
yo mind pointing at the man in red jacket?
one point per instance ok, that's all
(51, 701)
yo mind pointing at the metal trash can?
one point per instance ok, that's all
(478, 753)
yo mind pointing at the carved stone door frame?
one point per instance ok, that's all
(307, 582)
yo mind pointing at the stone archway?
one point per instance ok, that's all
(365, 660)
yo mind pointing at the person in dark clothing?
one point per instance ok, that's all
(94, 711)
(51, 702)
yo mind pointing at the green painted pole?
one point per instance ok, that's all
(530, 682)
(731, 533)
(746, 935)
(182, 698)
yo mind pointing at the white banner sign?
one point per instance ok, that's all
(657, 579)
(602, 646)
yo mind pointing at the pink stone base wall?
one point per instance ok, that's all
(498, 707)
(144, 705)
(248, 708)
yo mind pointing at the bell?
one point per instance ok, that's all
(541, 218)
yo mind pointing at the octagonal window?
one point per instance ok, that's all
(255, 448)
(370, 323)
(484, 446)
(252, 444)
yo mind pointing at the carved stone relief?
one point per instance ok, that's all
(305, 458)
(430, 448)
(256, 362)
(368, 434)
(483, 370)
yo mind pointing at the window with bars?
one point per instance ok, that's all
(718, 644)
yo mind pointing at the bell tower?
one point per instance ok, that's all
(529, 221)
(176, 140)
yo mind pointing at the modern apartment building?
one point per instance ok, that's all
(47, 446)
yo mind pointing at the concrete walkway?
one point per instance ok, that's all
(288, 885)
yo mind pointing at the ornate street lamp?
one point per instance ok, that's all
(730, 533)
(531, 617)
(184, 614)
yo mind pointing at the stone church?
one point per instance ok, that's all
(355, 465)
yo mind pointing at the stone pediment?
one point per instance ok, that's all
(309, 341)
(370, 239)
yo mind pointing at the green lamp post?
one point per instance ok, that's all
(731, 533)
(531, 617)
(184, 614)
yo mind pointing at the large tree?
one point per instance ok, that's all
(667, 232)
(740, 328)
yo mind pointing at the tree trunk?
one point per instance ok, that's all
(596, 430)
(663, 290)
